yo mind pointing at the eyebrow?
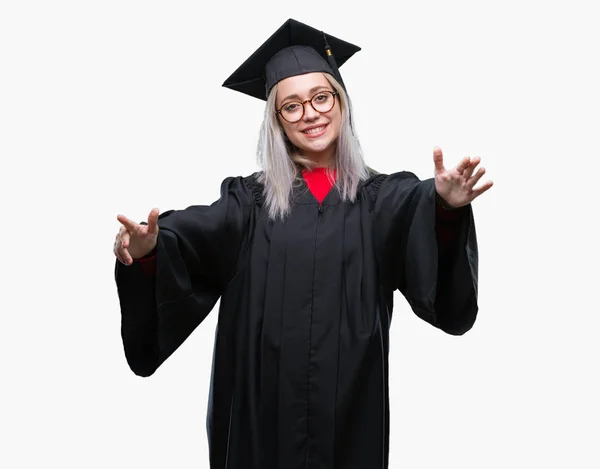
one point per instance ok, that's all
(312, 90)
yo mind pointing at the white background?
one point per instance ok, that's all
(111, 107)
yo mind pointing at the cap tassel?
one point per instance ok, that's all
(332, 62)
(338, 76)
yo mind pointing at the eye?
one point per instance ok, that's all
(322, 97)
(291, 107)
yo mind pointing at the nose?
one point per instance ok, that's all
(310, 114)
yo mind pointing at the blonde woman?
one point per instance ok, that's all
(305, 256)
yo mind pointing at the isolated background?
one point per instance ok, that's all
(117, 107)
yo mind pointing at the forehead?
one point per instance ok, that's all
(301, 85)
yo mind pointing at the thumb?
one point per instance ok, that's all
(438, 160)
(153, 221)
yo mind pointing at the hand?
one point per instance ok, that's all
(134, 240)
(456, 186)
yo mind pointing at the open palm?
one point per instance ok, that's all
(457, 186)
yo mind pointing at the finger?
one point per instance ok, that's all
(438, 160)
(469, 170)
(121, 260)
(117, 252)
(126, 256)
(119, 237)
(153, 221)
(464, 164)
(129, 224)
(121, 252)
(124, 253)
(125, 239)
(471, 182)
(481, 189)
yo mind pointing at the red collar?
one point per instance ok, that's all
(318, 182)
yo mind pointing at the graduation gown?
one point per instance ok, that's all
(300, 366)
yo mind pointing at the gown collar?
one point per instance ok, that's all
(303, 195)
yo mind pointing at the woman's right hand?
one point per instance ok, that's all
(134, 240)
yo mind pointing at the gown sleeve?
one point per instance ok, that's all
(439, 282)
(197, 253)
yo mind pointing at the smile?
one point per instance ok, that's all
(316, 131)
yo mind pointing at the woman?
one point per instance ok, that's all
(305, 256)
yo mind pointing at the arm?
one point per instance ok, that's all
(428, 255)
(197, 252)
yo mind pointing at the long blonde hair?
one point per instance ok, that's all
(281, 163)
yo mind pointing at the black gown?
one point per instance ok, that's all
(300, 366)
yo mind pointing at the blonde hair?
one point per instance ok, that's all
(281, 164)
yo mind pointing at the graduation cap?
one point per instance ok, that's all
(294, 49)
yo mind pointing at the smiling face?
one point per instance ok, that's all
(316, 133)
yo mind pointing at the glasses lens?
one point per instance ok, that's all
(292, 112)
(323, 102)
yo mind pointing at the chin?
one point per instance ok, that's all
(316, 146)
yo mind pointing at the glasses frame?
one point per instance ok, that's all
(302, 103)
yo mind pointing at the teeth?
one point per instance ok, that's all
(315, 130)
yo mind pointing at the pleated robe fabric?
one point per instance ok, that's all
(300, 366)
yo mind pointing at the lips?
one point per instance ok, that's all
(315, 130)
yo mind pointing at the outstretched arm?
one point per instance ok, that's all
(436, 272)
(197, 251)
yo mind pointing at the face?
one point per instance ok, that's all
(316, 133)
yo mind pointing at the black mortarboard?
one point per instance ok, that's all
(294, 49)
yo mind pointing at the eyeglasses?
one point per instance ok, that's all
(293, 111)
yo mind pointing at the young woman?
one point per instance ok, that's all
(305, 256)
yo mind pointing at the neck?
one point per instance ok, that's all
(322, 159)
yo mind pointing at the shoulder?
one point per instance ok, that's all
(376, 179)
(254, 184)
(377, 176)
(241, 188)
(247, 189)
(384, 183)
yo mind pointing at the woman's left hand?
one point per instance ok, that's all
(456, 186)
